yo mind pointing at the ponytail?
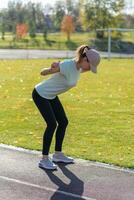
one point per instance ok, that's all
(80, 52)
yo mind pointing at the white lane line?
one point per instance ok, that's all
(45, 188)
(20, 149)
(79, 161)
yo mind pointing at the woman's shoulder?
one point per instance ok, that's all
(67, 66)
(68, 62)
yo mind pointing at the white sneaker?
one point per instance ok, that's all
(60, 157)
(47, 164)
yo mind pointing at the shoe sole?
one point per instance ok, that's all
(61, 161)
(42, 167)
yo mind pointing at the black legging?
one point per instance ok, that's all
(53, 113)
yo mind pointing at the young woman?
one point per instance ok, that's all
(45, 96)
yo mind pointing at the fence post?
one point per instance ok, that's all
(109, 43)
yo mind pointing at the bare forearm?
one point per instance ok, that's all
(53, 69)
(46, 71)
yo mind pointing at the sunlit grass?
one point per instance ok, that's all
(57, 40)
(54, 41)
(100, 110)
(128, 36)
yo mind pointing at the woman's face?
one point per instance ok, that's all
(85, 64)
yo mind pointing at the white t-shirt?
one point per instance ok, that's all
(61, 81)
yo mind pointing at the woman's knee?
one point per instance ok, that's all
(63, 123)
(52, 125)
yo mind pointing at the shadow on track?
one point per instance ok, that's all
(75, 186)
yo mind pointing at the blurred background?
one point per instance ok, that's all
(107, 25)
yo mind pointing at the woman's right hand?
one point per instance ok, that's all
(55, 65)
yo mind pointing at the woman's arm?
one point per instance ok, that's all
(52, 70)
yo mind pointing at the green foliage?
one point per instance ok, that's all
(32, 29)
(89, 14)
(101, 14)
(58, 15)
(100, 110)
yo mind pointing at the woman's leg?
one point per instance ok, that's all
(47, 113)
(62, 120)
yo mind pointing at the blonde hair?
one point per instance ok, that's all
(80, 52)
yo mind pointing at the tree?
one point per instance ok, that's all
(15, 14)
(12, 16)
(39, 17)
(32, 19)
(58, 14)
(47, 26)
(72, 8)
(21, 30)
(129, 21)
(97, 14)
(2, 25)
(67, 25)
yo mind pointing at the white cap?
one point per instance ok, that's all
(94, 59)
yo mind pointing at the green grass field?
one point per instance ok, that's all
(59, 41)
(55, 41)
(100, 110)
